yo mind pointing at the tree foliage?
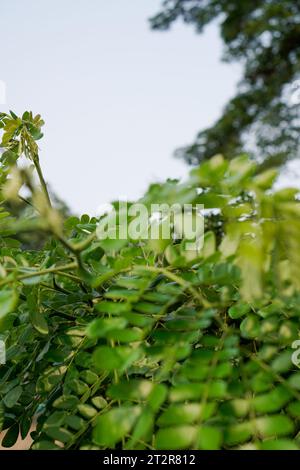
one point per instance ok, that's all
(263, 117)
(139, 345)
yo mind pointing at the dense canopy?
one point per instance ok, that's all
(143, 344)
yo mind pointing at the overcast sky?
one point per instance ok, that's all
(117, 97)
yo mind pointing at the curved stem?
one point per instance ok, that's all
(41, 178)
(43, 272)
(173, 277)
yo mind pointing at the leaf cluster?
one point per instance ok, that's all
(139, 345)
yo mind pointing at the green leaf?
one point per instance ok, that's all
(88, 376)
(13, 396)
(2, 416)
(266, 179)
(123, 294)
(117, 358)
(294, 409)
(65, 402)
(59, 434)
(11, 436)
(132, 390)
(283, 362)
(75, 422)
(270, 426)
(126, 335)
(157, 396)
(36, 316)
(77, 386)
(99, 402)
(101, 326)
(115, 425)
(273, 401)
(239, 310)
(45, 445)
(250, 327)
(49, 379)
(114, 308)
(8, 303)
(182, 392)
(279, 444)
(294, 381)
(87, 411)
(238, 433)
(209, 438)
(177, 437)
(185, 414)
(240, 168)
(210, 172)
(142, 429)
(55, 419)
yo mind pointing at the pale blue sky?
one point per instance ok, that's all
(117, 97)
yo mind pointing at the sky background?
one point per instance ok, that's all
(117, 98)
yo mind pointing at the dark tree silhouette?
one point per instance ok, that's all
(264, 116)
